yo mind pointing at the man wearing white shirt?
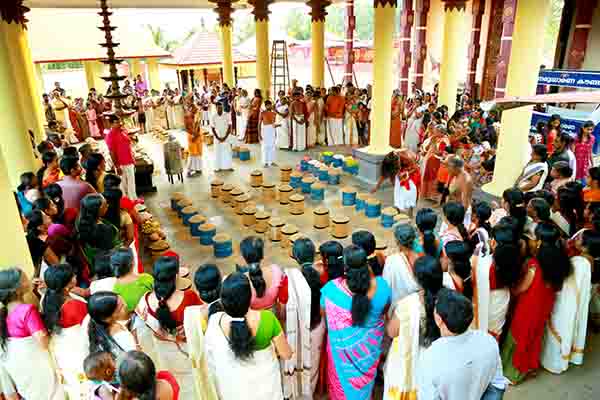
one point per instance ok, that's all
(462, 364)
(221, 128)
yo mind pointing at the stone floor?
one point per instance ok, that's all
(577, 383)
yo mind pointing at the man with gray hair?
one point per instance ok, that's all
(460, 186)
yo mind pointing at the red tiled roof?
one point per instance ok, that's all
(202, 49)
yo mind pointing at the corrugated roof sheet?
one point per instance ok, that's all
(202, 49)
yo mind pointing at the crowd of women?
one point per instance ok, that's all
(336, 320)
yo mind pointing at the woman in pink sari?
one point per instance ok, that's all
(24, 343)
(92, 119)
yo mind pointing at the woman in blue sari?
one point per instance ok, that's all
(354, 308)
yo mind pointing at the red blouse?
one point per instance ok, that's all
(190, 298)
(72, 313)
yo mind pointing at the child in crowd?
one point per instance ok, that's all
(268, 134)
(100, 371)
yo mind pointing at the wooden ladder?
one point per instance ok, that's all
(280, 70)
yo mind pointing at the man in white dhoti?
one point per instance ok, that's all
(463, 364)
(221, 129)
(298, 123)
(283, 122)
(334, 109)
(268, 134)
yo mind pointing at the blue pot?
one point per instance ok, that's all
(245, 155)
(317, 194)
(348, 199)
(206, 237)
(223, 249)
(373, 210)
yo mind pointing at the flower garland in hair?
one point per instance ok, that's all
(14, 11)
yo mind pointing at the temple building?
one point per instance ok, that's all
(199, 61)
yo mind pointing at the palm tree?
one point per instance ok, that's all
(159, 38)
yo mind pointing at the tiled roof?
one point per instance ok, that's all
(204, 48)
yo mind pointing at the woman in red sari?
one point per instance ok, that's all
(252, 125)
(535, 296)
(434, 149)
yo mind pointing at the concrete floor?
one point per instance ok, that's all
(578, 383)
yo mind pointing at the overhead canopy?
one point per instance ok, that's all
(138, 3)
(510, 102)
(124, 3)
(204, 49)
(73, 35)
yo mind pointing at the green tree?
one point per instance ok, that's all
(297, 24)
(160, 39)
(243, 28)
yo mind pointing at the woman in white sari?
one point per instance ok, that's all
(208, 283)
(242, 106)
(413, 329)
(63, 314)
(159, 323)
(398, 271)
(564, 339)
(242, 346)
(305, 327)
(534, 174)
(495, 269)
(23, 344)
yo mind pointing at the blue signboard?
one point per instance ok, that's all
(570, 78)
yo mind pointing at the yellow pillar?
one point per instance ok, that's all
(227, 48)
(383, 76)
(27, 94)
(525, 59)
(454, 51)
(90, 74)
(39, 74)
(14, 140)
(16, 252)
(318, 53)
(263, 74)
(153, 74)
(136, 68)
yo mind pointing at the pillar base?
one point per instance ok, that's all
(369, 164)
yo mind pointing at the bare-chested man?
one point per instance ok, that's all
(460, 186)
(268, 134)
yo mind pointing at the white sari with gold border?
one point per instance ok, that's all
(489, 306)
(257, 378)
(168, 351)
(194, 324)
(564, 339)
(31, 370)
(400, 379)
(69, 348)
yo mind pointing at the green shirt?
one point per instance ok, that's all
(268, 328)
(132, 292)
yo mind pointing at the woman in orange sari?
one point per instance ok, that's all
(592, 192)
(433, 148)
(396, 123)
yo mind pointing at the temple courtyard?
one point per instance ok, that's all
(578, 383)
